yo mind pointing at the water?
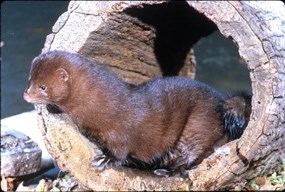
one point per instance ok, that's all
(219, 64)
(25, 24)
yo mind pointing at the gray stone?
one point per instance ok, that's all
(19, 154)
(27, 124)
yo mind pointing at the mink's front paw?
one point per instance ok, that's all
(101, 162)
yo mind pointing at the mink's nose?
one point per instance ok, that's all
(26, 95)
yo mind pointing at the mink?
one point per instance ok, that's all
(167, 124)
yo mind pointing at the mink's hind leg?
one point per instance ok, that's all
(176, 161)
(198, 140)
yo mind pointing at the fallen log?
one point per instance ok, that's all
(141, 40)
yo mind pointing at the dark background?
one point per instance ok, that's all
(24, 27)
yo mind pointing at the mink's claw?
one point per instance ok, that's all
(97, 160)
(163, 172)
(100, 162)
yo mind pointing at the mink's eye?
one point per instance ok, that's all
(42, 87)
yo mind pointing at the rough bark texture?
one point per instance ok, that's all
(124, 38)
(141, 40)
(258, 30)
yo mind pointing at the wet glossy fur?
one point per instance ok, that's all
(168, 124)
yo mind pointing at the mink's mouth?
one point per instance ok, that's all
(33, 100)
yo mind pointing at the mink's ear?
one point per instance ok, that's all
(62, 74)
(34, 59)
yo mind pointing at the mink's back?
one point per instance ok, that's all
(142, 121)
(169, 122)
(162, 107)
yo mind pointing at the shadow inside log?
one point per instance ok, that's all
(178, 27)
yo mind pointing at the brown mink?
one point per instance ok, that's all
(167, 124)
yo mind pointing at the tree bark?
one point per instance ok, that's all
(258, 30)
(141, 40)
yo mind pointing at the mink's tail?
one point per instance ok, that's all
(237, 110)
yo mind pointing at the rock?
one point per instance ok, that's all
(30, 128)
(19, 154)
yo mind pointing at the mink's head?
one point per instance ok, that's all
(49, 80)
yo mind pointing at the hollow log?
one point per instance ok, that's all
(139, 40)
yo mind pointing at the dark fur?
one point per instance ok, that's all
(237, 110)
(169, 124)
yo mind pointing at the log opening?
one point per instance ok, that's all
(139, 39)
